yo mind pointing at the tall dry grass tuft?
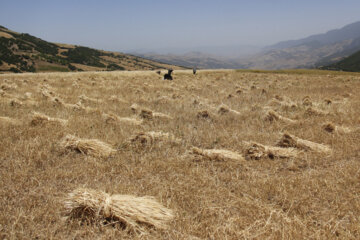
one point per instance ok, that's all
(91, 147)
(134, 213)
(218, 154)
(288, 140)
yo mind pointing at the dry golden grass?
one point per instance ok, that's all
(303, 192)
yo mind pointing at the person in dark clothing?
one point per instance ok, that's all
(168, 75)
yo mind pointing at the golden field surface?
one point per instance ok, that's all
(233, 154)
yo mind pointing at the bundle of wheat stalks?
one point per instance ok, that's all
(92, 147)
(271, 116)
(288, 140)
(218, 154)
(132, 212)
(332, 128)
(112, 118)
(9, 121)
(153, 137)
(39, 118)
(258, 151)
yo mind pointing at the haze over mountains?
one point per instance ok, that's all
(310, 52)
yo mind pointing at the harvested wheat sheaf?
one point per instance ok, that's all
(151, 138)
(204, 114)
(91, 147)
(85, 99)
(134, 213)
(307, 101)
(148, 114)
(271, 116)
(258, 151)
(311, 111)
(332, 128)
(15, 103)
(223, 109)
(218, 154)
(112, 118)
(9, 121)
(288, 141)
(39, 118)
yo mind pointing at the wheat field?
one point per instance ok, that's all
(233, 154)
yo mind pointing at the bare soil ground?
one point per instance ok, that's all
(282, 168)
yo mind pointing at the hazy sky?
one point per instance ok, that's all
(135, 24)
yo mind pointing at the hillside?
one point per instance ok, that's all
(351, 64)
(310, 52)
(21, 52)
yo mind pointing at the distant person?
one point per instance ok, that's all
(168, 75)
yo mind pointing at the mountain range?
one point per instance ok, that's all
(311, 52)
(21, 52)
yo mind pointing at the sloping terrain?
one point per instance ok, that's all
(26, 53)
(314, 51)
(232, 154)
(311, 52)
(351, 64)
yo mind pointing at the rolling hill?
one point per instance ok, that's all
(21, 52)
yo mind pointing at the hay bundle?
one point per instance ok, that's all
(91, 147)
(39, 119)
(258, 151)
(204, 114)
(85, 99)
(133, 213)
(77, 106)
(146, 114)
(114, 98)
(290, 141)
(284, 104)
(271, 116)
(162, 116)
(327, 101)
(9, 121)
(332, 128)
(311, 111)
(151, 138)
(112, 118)
(307, 101)
(15, 103)
(239, 91)
(218, 154)
(27, 95)
(8, 87)
(223, 109)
